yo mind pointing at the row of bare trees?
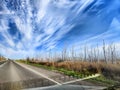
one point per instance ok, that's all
(105, 53)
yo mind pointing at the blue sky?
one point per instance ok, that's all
(28, 27)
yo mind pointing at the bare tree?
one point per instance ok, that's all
(104, 52)
(72, 53)
(85, 53)
(98, 52)
(64, 54)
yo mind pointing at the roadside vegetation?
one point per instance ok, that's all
(2, 58)
(87, 69)
(104, 60)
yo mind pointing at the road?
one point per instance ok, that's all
(17, 76)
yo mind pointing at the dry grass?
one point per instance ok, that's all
(111, 71)
(103, 60)
(2, 58)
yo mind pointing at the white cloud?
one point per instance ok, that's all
(43, 23)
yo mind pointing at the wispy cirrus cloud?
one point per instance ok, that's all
(28, 27)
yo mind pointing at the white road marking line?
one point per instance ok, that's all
(89, 77)
(42, 75)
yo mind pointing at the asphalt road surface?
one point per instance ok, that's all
(17, 76)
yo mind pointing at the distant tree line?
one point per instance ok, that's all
(105, 53)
